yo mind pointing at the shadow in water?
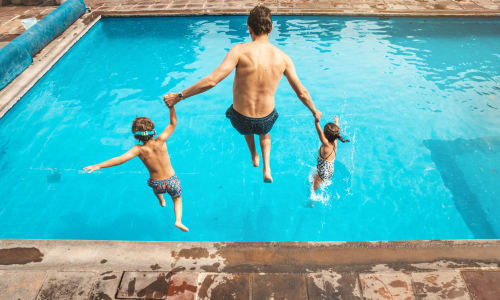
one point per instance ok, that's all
(341, 181)
(444, 154)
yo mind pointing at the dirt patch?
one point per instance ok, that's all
(194, 253)
(20, 256)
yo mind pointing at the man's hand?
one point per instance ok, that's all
(91, 169)
(317, 115)
(171, 99)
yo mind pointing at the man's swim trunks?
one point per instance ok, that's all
(171, 185)
(247, 126)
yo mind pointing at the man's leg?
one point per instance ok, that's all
(265, 147)
(253, 151)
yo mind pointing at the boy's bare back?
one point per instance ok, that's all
(155, 157)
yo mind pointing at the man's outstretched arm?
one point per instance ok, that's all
(299, 89)
(208, 82)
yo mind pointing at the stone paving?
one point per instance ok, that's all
(105, 270)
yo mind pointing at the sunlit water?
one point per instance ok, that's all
(419, 99)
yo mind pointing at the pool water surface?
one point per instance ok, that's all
(419, 99)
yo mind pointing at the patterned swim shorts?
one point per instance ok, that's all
(247, 125)
(171, 185)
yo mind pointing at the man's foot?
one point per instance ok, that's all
(255, 159)
(267, 176)
(181, 226)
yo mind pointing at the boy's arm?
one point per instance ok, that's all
(115, 160)
(208, 82)
(167, 132)
(321, 135)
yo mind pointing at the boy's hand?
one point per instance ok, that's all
(171, 99)
(335, 119)
(91, 169)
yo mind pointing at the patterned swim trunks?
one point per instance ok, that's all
(247, 126)
(171, 185)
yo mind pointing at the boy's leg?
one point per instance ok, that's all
(253, 151)
(160, 198)
(317, 182)
(265, 147)
(178, 214)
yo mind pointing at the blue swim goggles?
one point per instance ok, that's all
(144, 133)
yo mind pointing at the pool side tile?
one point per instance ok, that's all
(182, 286)
(332, 285)
(20, 284)
(138, 285)
(483, 285)
(278, 286)
(224, 286)
(439, 285)
(394, 285)
(106, 285)
(67, 285)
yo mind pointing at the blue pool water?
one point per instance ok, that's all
(419, 99)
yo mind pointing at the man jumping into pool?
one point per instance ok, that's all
(259, 67)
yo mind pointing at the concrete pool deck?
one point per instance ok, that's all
(62, 269)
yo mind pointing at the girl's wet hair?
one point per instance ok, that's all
(143, 124)
(332, 132)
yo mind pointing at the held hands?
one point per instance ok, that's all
(91, 169)
(171, 99)
(317, 115)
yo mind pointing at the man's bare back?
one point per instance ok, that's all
(258, 73)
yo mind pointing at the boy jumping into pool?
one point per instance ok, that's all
(153, 153)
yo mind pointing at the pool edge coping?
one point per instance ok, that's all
(255, 257)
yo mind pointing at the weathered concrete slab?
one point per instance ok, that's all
(484, 285)
(278, 286)
(394, 285)
(331, 285)
(224, 286)
(106, 285)
(20, 284)
(67, 285)
(182, 286)
(439, 285)
(139, 285)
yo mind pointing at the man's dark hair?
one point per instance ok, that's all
(260, 20)
(143, 124)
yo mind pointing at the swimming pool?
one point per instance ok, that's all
(418, 97)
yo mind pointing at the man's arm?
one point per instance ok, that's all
(221, 72)
(115, 160)
(167, 132)
(299, 89)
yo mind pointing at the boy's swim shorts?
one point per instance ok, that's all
(171, 185)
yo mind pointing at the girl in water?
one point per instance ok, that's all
(327, 151)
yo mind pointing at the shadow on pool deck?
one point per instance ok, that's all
(444, 154)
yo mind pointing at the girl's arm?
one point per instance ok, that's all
(321, 135)
(167, 132)
(115, 160)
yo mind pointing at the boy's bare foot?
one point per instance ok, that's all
(267, 176)
(162, 202)
(255, 159)
(181, 226)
